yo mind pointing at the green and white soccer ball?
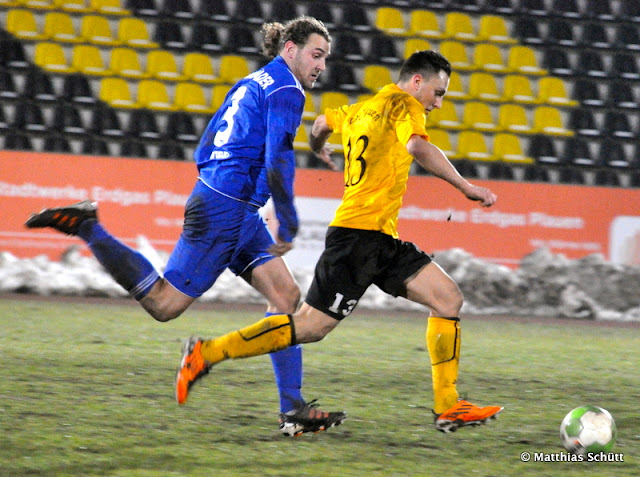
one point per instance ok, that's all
(588, 430)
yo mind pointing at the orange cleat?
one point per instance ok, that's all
(192, 367)
(463, 413)
(64, 219)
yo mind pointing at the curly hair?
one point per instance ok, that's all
(297, 30)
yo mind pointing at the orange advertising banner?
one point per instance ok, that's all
(144, 197)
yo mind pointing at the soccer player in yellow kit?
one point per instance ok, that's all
(381, 137)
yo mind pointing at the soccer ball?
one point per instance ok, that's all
(588, 430)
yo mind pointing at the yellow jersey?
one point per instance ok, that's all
(374, 135)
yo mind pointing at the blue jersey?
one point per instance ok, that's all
(246, 152)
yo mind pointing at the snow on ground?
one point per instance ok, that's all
(545, 284)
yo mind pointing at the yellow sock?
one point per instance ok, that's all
(443, 343)
(270, 334)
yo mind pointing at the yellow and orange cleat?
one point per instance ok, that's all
(463, 413)
(192, 367)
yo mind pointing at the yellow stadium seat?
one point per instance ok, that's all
(126, 62)
(552, 90)
(301, 141)
(198, 67)
(335, 143)
(513, 118)
(456, 90)
(488, 57)
(424, 23)
(493, 29)
(153, 94)
(471, 145)
(59, 27)
(375, 77)
(9, 3)
(517, 88)
(233, 68)
(190, 97)
(548, 120)
(96, 29)
(478, 116)
(22, 23)
(87, 59)
(108, 7)
(440, 138)
(72, 6)
(309, 113)
(483, 87)
(37, 4)
(133, 32)
(363, 97)
(446, 117)
(507, 147)
(332, 100)
(522, 59)
(456, 53)
(116, 93)
(161, 64)
(390, 21)
(415, 44)
(218, 93)
(459, 26)
(51, 57)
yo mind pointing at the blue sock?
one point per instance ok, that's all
(287, 367)
(128, 267)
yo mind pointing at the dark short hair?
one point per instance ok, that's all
(425, 62)
(297, 30)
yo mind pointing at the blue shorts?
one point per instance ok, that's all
(218, 233)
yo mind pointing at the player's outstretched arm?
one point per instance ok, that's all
(320, 133)
(431, 158)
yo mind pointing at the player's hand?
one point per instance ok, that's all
(481, 194)
(279, 248)
(325, 156)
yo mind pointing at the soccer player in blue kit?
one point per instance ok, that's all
(244, 157)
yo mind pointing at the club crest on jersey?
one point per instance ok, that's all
(262, 78)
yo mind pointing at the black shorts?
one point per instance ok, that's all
(353, 260)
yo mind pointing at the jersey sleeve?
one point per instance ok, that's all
(284, 113)
(410, 121)
(335, 117)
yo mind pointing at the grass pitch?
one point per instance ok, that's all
(86, 388)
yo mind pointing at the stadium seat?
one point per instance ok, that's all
(105, 122)
(198, 67)
(218, 93)
(457, 90)
(594, 35)
(523, 60)
(301, 141)
(38, 86)
(493, 29)
(606, 178)
(87, 59)
(57, 143)
(347, 46)
(143, 124)
(627, 37)
(8, 90)
(567, 9)
(517, 88)
(456, 53)
(309, 113)
(332, 100)
(583, 122)
(513, 118)
(51, 57)
(477, 116)
(172, 151)
(571, 175)
(37, 4)
(459, 27)
(94, 146)
(190, 97)
(116, 93)
(617, 124)
(72, 6)
(500, 7)
(483, 87)
(214, 10)
(471, 145)
(425, 24)
(169, 35)
(599, 10)
(441, 138)
(536, 173)
(508, 148)
(125, 62)
(543, 149)
(108, 7)
(180, 127)
(620, 95)
(587, 92)
(591, 64)
(557, 62)
(536, 8)
(488, 57)
(466, 5)
(548, 120)
(354, 18)
(613, 153)
(162, 65)
(76, 89)
(249, 11)
(58, 27)
(18, 142)
(528, 31)
(144, 8)
(133, 33)
(204, 37)
(29, 117)
(382, 49)
(13, 55)
(283, 10)
(67, 120)
(241, 41)
(320, 11)
(340, 77)
(625, 66)
(180, 9)
(446, 117)
(561, 32)
(552, 91)
(22, 24)
(233, 68)
(375, 77)
(390, 21)
(96, 29)
(134, 148)
(577, 152)
(153, 94)
(415, 44)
